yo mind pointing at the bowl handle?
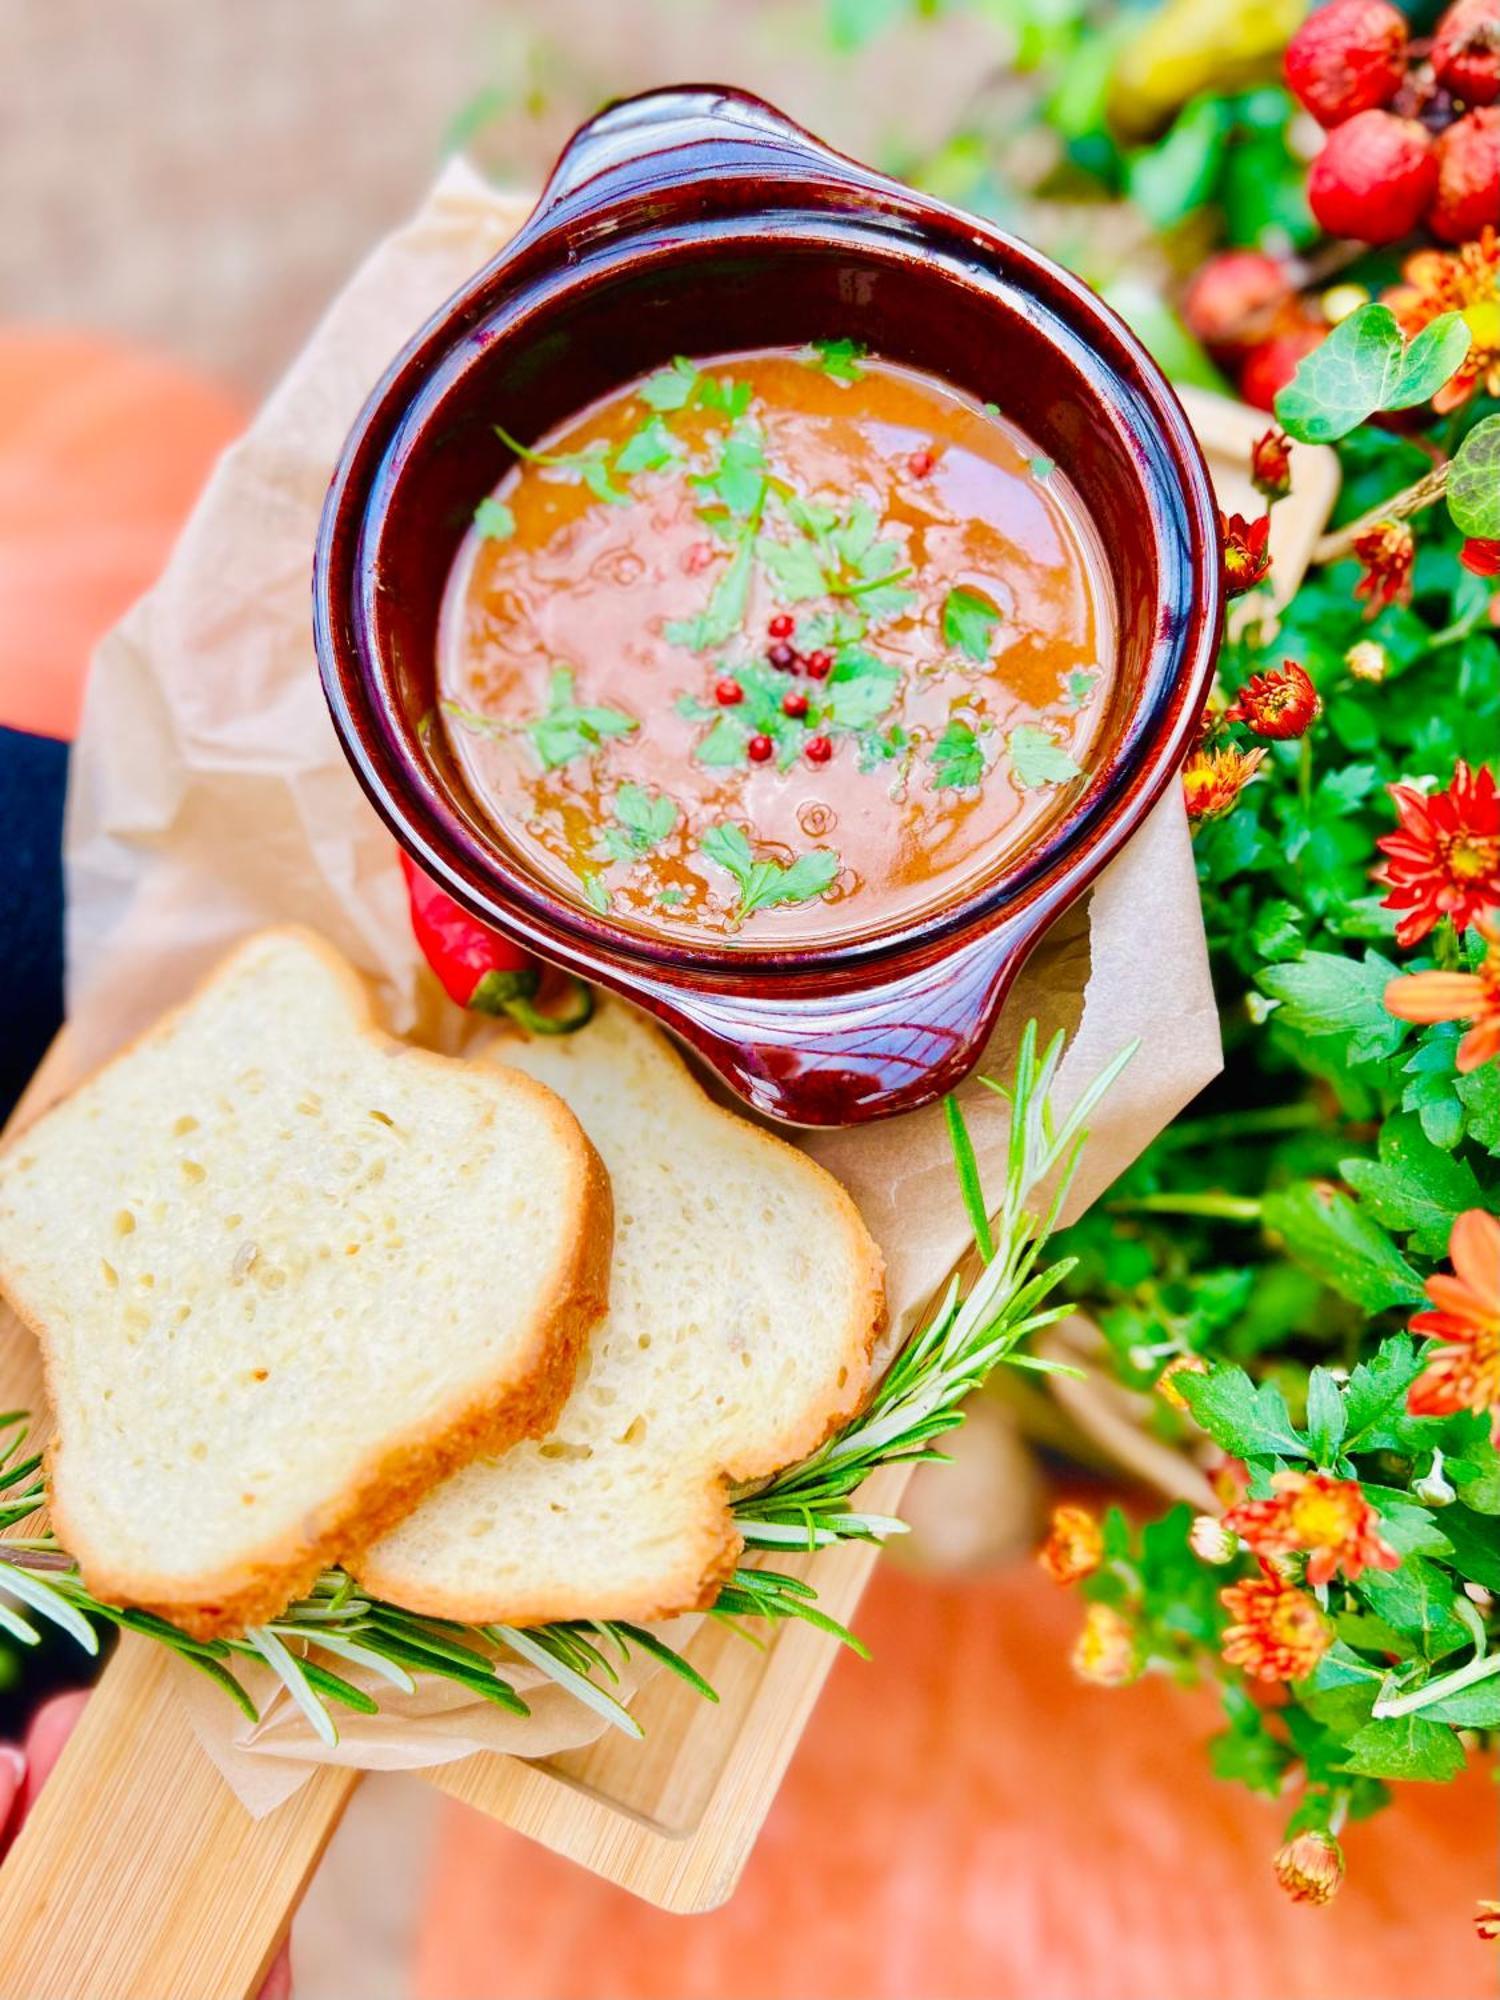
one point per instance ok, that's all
(644, 145)
(865, 1051)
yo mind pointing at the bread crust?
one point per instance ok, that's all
(393, 1479)
(716, 1546)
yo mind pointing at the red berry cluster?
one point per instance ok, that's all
(1414, 127)
(785, 658)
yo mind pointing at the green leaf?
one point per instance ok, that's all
(1416, 1599)
(724, 613)
(642, 821)
(1325, 1416)
(1078, 686)
(1248, 1420)
(1407, 1747)
(1169, 180)
(494, 520)
(1037, 758)
(838, 358)
(1415, 1186)
(860, 689)
(1474, 482)
(969, 622)
(1376, 1388)
(1327, 993)
(766, 882)
(957, 758)
(1475, 1542)
(1475, 1707)
(565, 730)
(1339, 1243)
(647, 449)
(1363, 366)
(794, 568)
(673, 388)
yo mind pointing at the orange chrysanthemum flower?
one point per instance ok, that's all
(1463, 1372)
(1328, 1518)
(1212, 780)
(1278, 1634)
(1387, 551)
(1311, 1867)
(1457, 996)
(1074, 1547)
(1467, 281)
(1487, 1920)
(1105, 1651)
(1444, 859)
(1247, 556)
(1271, 464)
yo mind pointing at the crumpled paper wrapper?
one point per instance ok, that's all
(209, 797)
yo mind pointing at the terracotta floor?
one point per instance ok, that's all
(963, 1819)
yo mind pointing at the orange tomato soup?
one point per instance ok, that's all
(779, 648)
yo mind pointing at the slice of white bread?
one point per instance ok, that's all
(745, 1300)
(286, 1273)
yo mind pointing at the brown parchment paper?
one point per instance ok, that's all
(209, 796)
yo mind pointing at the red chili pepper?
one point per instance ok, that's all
(478, 967)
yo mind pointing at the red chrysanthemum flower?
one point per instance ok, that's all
(1330, 1519)
(1311, 1867)
(1457, 996)
(1278, 1634)
(1212, 780)
(1387, 552)
(1271, 464)
(1247, 558)
(1464, 1370)
(1467, 281)
(1444, 858)
(1280, 703)
(1074, 1547)
(1480, 557)
(1487, 1920)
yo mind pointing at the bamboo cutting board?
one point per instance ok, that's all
(140, 1877)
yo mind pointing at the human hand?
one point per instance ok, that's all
(24, 1770)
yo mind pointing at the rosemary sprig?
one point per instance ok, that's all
(808, 1506)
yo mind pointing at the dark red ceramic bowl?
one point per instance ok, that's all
(700, 221)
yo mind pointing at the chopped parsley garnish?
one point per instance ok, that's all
(737, 483)
(672, 388)
(1037, 757)
(969, 622)
(670, 897)
(766, 882)
(595, 894)
(957, 758)
(477, 723)
(642, 820)
(724, 614)
(647, 449)
(590, 465)
(838, 358)
(860, 689)
(1078, 686)
(1043, 467)
(568, 729)
(494, 520)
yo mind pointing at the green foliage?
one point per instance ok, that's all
(1474, 482)
(1364, 366)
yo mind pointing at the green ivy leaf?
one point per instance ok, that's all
(1474, 482)
(969, 622)
(1249, 1420)
(1327, 993)
(1407, 1747)
(1037, 758)
(1339, 1243)
(1363, 366)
